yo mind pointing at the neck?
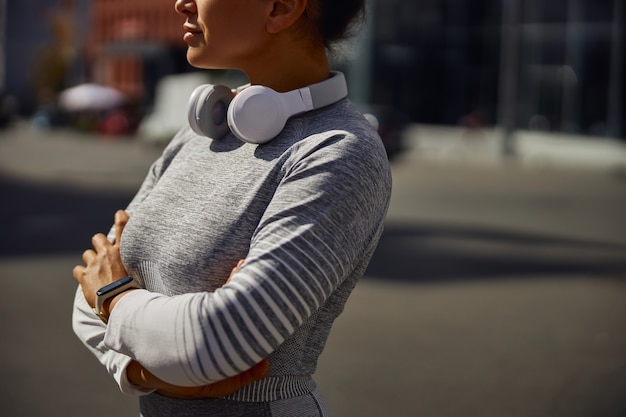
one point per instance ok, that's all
(286, 69)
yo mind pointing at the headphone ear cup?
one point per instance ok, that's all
(207, 110)
(257, 114)
(192, 105)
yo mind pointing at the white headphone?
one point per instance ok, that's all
(257, 114)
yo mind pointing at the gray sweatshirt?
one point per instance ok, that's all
(305, 211)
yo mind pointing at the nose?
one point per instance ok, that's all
(185, 7)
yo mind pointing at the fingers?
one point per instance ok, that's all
(99, 241)
(258, 371)
(234, 383)
(88, 256)
(235, 269)
(219, 389)
(78, 272)
(102, 264)
(121, 218)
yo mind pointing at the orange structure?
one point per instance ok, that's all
(127, 36)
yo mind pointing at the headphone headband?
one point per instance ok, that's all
(329, 91)
(257, 114)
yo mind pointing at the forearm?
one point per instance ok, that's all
(306, 243)
(90, 330)
(175, 339)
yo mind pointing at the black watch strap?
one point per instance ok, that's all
(111, 290)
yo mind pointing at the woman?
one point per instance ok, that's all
(305, 209)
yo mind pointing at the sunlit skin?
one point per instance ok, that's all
(268, 41)
(265, 39)
(103, 265)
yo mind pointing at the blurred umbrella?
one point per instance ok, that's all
(90, 96)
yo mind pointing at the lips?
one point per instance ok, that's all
(189, 36)
(191, 32)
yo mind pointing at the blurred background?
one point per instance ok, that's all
(499, 286)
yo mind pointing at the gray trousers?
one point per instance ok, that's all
(307, 405)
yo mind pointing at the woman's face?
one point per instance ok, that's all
(224, 33)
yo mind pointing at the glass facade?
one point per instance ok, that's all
(553, 65)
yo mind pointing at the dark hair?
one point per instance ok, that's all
(335, 20)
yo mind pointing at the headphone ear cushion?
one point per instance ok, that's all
(207, 110)
(257, 114)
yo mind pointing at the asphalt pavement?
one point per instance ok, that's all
(497, 289)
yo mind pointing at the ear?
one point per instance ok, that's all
(285, 14)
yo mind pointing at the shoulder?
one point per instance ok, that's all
(182, 137)
(340, 131)
(340, 120)
(341, 145)
(343, 116)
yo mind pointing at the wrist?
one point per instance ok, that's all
(141, 378)
(109, 304)
(135, 375)
(106, 294)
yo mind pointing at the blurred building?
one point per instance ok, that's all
(133, 44)
(40, 48)
(553, 65)
(49, 45)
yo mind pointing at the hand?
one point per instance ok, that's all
(235, 269)
(103, 263)
(140, 376)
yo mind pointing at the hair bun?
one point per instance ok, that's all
(337, 19)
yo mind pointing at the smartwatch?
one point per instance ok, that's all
(111, 290)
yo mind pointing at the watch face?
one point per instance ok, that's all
(113, 286)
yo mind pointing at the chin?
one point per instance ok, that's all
(194, 58)
(199, 59)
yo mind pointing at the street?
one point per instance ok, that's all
(497, 290)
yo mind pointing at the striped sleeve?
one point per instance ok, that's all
(323, 218)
